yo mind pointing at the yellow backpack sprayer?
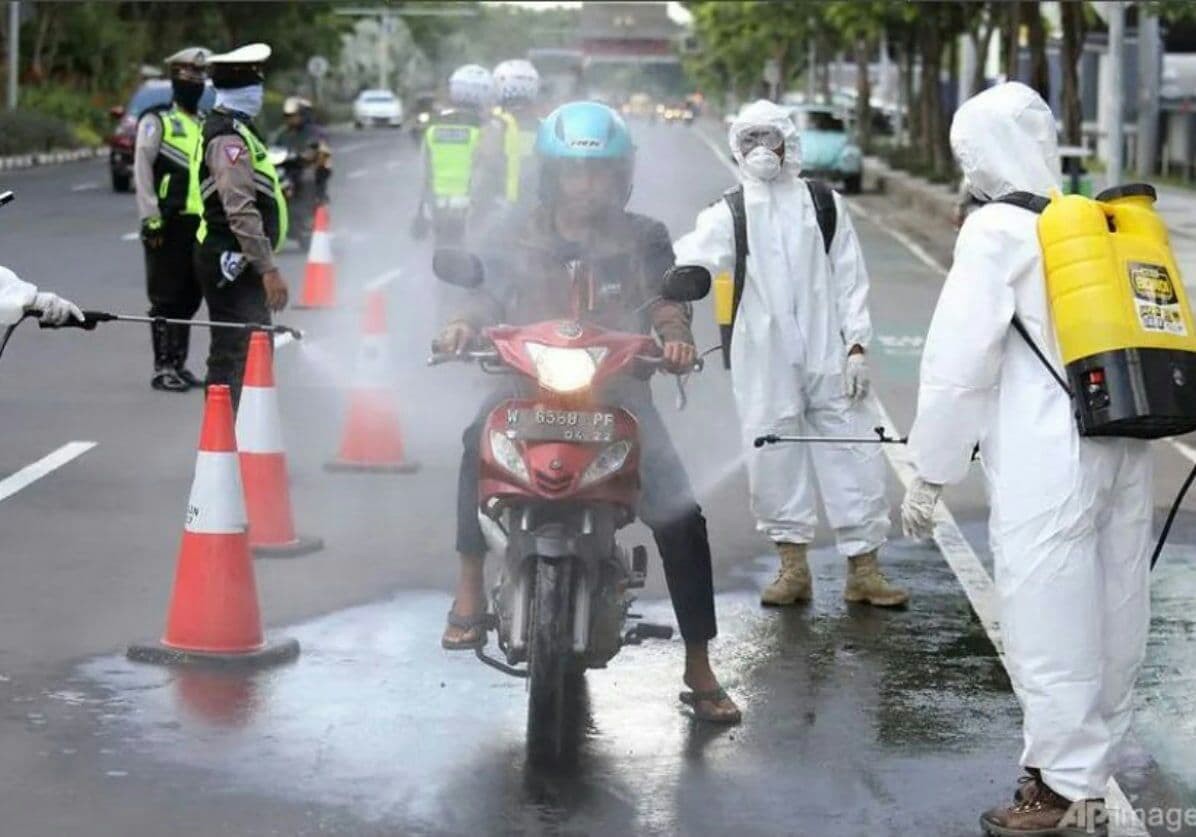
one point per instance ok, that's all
(1121, 317)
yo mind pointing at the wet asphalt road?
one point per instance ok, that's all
(857, 722)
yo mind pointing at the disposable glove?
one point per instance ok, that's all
(856, 378)
(917, 509)
(54, 309)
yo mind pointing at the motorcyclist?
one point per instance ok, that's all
(506, 163)
(308, 163)
(579, 227)
(450, 153)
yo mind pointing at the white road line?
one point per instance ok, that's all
(85, 187)
(47, 464)
(356, 173)
(350, 148)
(130, 236)
(382, 280)
(283, 339)
(392, 165)
(719, 153)
(958, 553)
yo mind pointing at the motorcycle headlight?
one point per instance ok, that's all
(565, 370)
(606, 463)
(423, 118)
(507, 455)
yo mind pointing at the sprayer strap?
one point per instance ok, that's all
(1024, 332)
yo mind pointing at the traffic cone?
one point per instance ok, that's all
(319, 278)
(373, 440)
(264, 460)
(213, 617)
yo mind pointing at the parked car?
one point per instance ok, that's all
(153, 93)
(377, 107)
(827, 149)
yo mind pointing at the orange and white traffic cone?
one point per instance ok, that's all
(213, 618)
(319, 278)
(373, 439)
(264, 460)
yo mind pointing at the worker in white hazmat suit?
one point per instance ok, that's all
(1071, 516)
(18, 298)
(798, 356)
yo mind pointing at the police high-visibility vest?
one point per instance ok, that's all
(181, 136)
(451, 150)
(270, 202)
(518, 145)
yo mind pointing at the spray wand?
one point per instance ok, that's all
(91, 318)
(881, 438)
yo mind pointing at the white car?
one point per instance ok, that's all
(377, 107)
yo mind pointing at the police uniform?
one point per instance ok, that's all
(244, 218)
(167, 137)
(450, 149)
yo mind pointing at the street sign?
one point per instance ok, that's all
(317, 66)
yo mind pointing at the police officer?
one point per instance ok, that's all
(450, 146)
(505, 158)
(244, 212)
(167, 137)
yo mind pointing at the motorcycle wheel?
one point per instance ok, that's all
(550, 679)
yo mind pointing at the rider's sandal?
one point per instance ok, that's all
(479, 622)
(696, 700)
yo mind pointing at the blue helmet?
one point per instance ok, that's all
(583, 131)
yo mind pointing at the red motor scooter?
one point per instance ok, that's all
(559, 478)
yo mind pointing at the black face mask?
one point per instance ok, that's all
(187, 93)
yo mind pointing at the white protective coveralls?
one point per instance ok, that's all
(15, 297)
(1070, 520)
(800, 313)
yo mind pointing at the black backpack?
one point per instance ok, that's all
(824, 212)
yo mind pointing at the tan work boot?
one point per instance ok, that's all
(1039, 810)
(793, 583)
(867, 584)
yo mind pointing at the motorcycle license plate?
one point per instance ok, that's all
(541, 425)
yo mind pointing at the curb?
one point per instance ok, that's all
(929, 199)
(50, 158)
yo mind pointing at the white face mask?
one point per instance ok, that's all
(762, 164)
(246, 100)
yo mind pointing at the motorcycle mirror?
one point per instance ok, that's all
(7, 197)
(458, 267)
(686, 283)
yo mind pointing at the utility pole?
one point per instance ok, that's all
(1115, 94)
(1149, 72)
(383, 43)
(14, 51)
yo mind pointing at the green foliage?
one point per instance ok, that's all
(81, 57)
(67, 104)
(24, 132)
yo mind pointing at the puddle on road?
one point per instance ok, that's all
(375, 718)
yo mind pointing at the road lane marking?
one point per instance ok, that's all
(356, 173)
(133, 236)
(956, 551)
(393, 164)
(49, 463)
(85, 187)
(383, 279)
(283, 339)
(350, 148)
